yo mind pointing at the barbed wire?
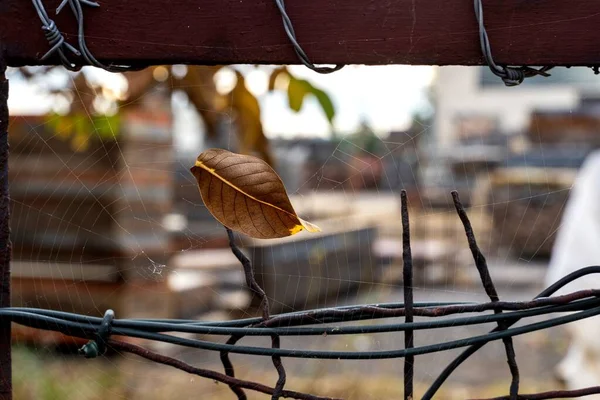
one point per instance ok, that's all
(511, 76)
(55, 38)
(289, 30)
(334, 322)
(59, 45)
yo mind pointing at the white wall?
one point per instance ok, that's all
(458, 92)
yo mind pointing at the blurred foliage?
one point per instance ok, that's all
(79, 128)
(44, 375)
(298, 89)
(93, 106)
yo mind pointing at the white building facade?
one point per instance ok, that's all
(464, 92)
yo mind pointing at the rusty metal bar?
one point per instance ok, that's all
(216, 376)
(275, 340)
(554, 394)
(407, 278)
(490, 290)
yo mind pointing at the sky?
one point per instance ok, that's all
(384, 96)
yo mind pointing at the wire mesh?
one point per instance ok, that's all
(337, 321)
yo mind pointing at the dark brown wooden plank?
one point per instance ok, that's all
(436, 32)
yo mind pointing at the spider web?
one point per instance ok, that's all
(168, 257)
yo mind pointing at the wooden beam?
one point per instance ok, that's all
(433, 32)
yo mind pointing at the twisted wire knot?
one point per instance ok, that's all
(56, 40)
(289, 30)
(97, 347)
(513, 76)
(85, 2)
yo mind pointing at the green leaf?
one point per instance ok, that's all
(326, 103)
(297, 91)
(81, 130)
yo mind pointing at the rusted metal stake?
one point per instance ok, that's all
(275, 340)
(5, 247)
(217, 377)
(409, 361)
(554, 394)
(490, 290)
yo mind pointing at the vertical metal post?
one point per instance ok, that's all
(5, 246)
(407, 281)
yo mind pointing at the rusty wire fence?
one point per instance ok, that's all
(338, 321)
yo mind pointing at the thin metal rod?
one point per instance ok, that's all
(249, 274)
(238, 383)
(255, 287)
(478, 257)
(230, 370)
(275, 339)
(5, 246)
(407, 275)
(490, 290)
(278, 392)
(554, 394)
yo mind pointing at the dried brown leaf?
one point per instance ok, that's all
(246, 195)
